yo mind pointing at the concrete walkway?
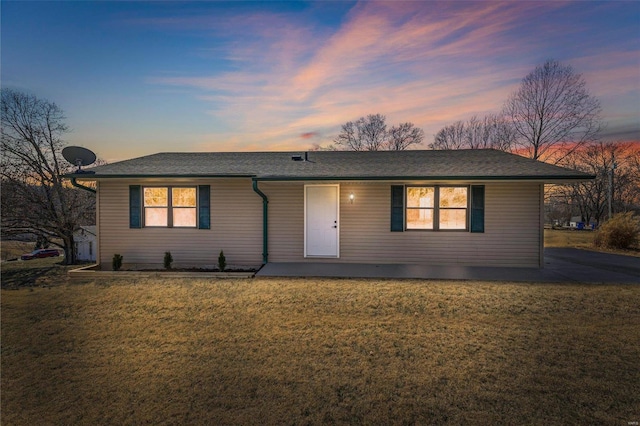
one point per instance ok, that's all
(561, 265)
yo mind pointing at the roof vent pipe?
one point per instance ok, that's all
(306, 156)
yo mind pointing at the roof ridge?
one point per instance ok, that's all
(349, 165)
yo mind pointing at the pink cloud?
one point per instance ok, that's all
(430, 63)
(309, 135)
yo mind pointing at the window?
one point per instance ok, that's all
(170, 206)
(420, 207)
(453, 208)
(156, 206)
(167, 206)
(437, 207)
(184, 206)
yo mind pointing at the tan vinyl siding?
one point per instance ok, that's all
(286, 221)
(512, 234)
(511, 237)
(236, 227)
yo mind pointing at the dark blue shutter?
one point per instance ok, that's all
(477, 208)
(135, 206)
(397, 208)
(204, 215)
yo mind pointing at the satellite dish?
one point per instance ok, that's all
(79, 156)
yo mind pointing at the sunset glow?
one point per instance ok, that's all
(135, 78)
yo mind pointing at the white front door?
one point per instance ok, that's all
(321, 220)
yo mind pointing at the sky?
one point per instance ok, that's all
(136, 78)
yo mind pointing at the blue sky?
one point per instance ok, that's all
(135, 78)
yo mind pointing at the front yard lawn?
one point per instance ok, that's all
(311, 351)
(34, 273)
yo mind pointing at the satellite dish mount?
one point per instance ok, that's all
(79, 156)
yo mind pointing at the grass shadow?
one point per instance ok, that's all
(33, 273)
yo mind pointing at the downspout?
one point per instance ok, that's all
(77, 185)
(265, 216)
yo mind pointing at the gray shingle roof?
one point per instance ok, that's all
(339, 165)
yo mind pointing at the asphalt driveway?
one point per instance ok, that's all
(560, 265)
(590, 266)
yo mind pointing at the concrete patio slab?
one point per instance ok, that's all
(561, 265)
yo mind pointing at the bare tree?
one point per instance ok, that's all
(403, 136)
(553, 112)
(450, 137)
(493, 132)
(370, 134)
(590, 198)
(634, 174)
(558, 208)
(35, 198)
(364, 134)
(503, 134)
(624, 178)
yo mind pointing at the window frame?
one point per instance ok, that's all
(433, 209)
(170, 208)
(436, 208)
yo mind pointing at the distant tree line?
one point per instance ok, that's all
(616, 166)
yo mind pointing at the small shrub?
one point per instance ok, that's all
(116, 262)
(168, 260)
(222, 262)
(622, 231)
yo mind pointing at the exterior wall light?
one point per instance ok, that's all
(352, 197)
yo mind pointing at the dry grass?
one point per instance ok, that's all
(34, 273)
(303, 351)
(568, 238)
(581, 240)
(13, 249)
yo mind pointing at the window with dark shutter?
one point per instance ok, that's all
(397, 208)
(135, 207)
(437, 208)
(173, 207)
(204, 210)
(477, 208)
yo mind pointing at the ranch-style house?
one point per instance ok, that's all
(462, 207)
